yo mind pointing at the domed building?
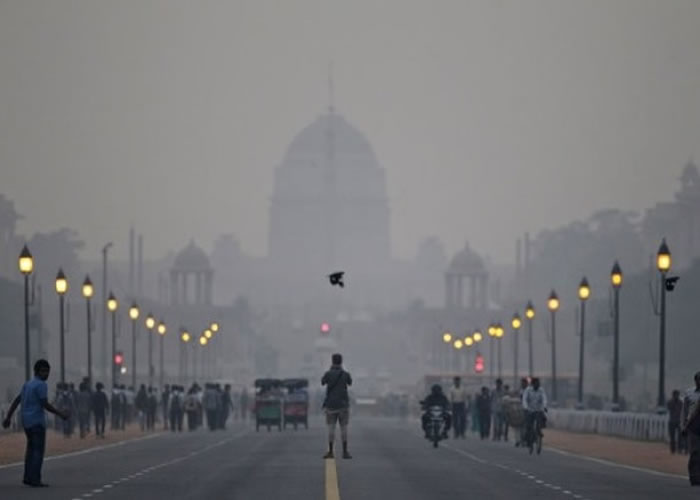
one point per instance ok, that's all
(466, 281)
(329, 209)
(191, 277)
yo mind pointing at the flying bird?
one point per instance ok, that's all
(337, 279)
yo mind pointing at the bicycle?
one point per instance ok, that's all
(535, 435)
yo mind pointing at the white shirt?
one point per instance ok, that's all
(534, 400)
(458, 395)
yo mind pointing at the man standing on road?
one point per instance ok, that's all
(458, 398)
(691, 428)
(100, 405)
(497, 410)
(675, 408)
(34, 400)
(337, 403)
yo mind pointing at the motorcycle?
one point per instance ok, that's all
(436, 424)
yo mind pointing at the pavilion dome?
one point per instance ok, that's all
(191, 258)
(466, 262)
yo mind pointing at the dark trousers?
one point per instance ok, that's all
(212, 419)
(674, 434)
(100, 423)
(192, 420)
(459, 415)
(34, 456)
(484, 425)
(694, 458)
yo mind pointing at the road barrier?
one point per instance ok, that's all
(639, 426)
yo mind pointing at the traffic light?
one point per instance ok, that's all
(325, 328)
(479, 364)
(118, 359)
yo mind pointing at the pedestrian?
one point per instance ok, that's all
(141, 405)
(211, 406)
(504, 415)
(675, 409)
(100, 405)
(151, 409)
(497, 410)
(84, 405)
(337, 403)
(483, 406)
(226, 405)
(164, 402)
(192, 406)
(34, 400)
(176, 408)
(65, 404)
(691, 429)
(458, 398)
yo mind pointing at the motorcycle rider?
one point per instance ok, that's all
(436, 398)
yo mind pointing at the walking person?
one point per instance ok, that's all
(691, 429)
(675, 409)
(164, 401)
(84, 405)
(141, 404)
(458, 398)
(483, 408)
(151, 409)
(100, 405)
(116, 409)
(337, 403)
(34, 400)
(226, 406)
(192, 406)
(497, 410)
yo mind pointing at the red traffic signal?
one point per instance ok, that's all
(479, 364)
(325, 328)
(118, 358)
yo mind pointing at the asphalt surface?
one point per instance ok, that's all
(391, 461)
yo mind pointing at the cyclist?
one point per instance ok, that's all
(535, 406)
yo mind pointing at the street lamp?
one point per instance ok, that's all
(162, 330)
(663, 264)
(88, 292)
(447, 337)
(150, 325)
(492, 360)
(207, 334)
(26, 266)
(469, 341)
(185, 337)
(584, 293)
(499, 335)
(61, 289)
(134, 315)
(214, 327)
(477, 336)
(616, 279)
(112, 306)
(553, 306)
(530, 315)
(516, 323)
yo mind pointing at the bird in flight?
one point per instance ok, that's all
(337, 278)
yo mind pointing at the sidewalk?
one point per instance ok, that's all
(648, 455)
(12, 444)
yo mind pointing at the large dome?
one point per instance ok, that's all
(191, 258)
(312, 146)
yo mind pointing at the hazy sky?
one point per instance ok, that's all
(490, 117)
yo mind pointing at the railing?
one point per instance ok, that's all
(639, 426)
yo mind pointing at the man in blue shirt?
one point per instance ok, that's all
(34, 400)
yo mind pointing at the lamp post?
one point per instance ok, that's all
(553, 305)
(162, 329)
(663, 264)
(150, 325)
(530, 315)
(616, 279)
(492, 360)
(584, 293)
(458, 345)
(88, 292)
(61, 289)
(516, 323)
(112, 306)
(447, 339)
(103, 313)
(134, 315)
(202, 342)
(499, 335)
(26, 266)
(185, 337)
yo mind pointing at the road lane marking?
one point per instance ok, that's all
(332, 492)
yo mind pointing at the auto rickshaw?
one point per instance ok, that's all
(268, 403)
(296, 402)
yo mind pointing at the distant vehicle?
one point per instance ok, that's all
(268, 403)
(436, 424)
(296, 402)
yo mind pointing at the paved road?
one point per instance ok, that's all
(391, 462)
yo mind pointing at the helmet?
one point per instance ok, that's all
(436, 389)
